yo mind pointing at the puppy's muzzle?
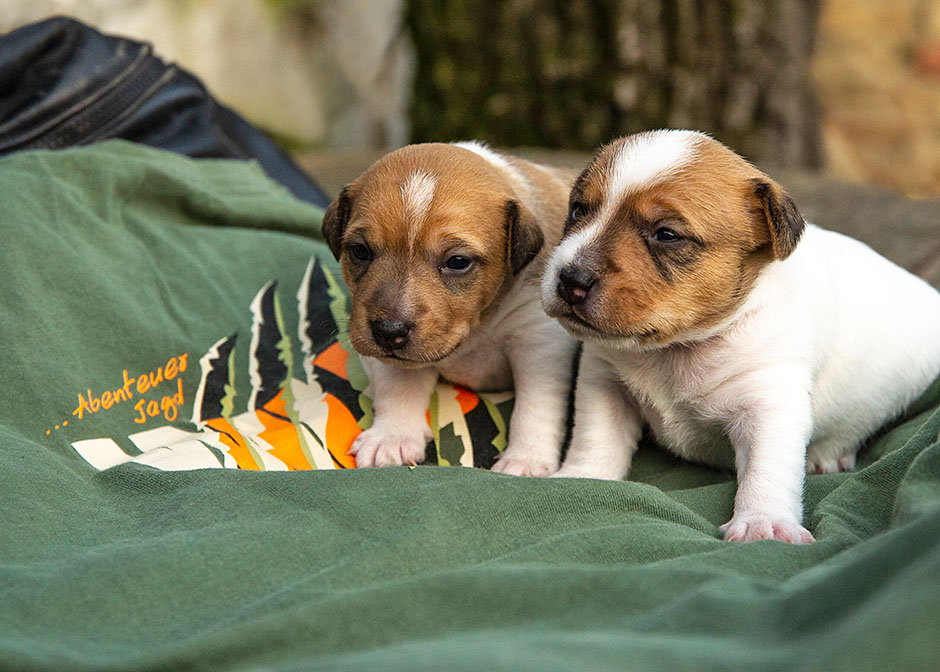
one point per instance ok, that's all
(574, 284)
(391, 334)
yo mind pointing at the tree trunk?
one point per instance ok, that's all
(556, 73)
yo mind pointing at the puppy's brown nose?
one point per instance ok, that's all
(574, 284)
(390, 334)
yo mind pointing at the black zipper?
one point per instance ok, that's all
(91, 116)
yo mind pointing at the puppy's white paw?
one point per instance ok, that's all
(832, 465)
(579, 471)
(756, 527)
(374, 448)
(523, 466)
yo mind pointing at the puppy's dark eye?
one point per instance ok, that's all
(575, 212)
(458, 263)
(360, 251)
(665, 235)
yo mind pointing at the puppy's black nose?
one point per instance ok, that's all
(574, 284)
(391, 334)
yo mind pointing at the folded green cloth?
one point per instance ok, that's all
(162, 319)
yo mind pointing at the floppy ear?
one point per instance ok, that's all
(784, 222)
(524, 236)
(335, 219)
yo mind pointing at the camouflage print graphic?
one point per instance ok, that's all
(299, 414)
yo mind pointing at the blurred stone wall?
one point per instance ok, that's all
(341, 73)
(320, 73)
(877, 71)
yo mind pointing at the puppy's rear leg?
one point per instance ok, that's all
(830, 457)
(607, 424)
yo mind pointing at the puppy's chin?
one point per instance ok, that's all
(646, 339)
(419, 361)
(639, 337)
(401, 363)
(583, 328)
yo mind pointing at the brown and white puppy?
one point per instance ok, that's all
(711, 312)
(440, 246)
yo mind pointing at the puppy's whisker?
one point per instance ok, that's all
(345, 343)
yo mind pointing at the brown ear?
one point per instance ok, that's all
(335, 219)
(524, 236)
(783, 220)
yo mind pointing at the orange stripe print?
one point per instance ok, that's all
(333, 359)
(238, 447)
(280, 433)
(341, 431)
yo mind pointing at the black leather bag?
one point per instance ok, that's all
(63, 83)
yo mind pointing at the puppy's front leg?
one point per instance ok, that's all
(769, 438)
(399, 432)
(607, 424)
(542, 380)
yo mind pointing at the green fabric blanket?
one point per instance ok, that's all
(176, 494)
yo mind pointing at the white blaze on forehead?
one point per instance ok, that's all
(646, 158)
(417, 192)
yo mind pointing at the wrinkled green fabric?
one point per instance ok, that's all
(432, 568)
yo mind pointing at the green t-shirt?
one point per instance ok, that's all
(186, 315)
(164, 319)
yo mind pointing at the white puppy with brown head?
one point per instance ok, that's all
(440, 247)
(740, 335)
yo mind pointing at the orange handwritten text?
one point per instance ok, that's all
(91, 403)
(167, 406)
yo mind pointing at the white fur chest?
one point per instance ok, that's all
(483, 361)
(482, 366)
(678, 396)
